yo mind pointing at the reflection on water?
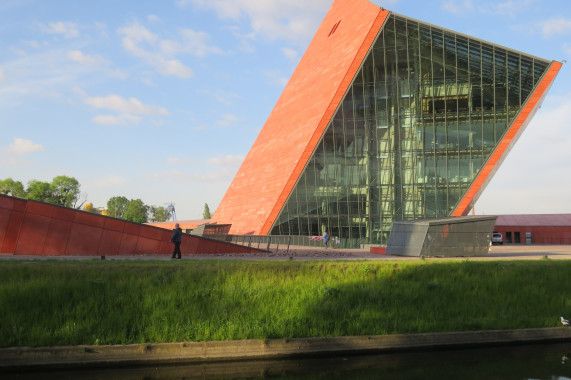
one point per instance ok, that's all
(518, 362)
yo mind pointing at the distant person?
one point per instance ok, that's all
(325, 239)
(176, 239)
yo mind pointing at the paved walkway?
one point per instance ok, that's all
(505, 252)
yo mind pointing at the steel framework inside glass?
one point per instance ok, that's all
(423, 114)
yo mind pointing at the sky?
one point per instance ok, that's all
(162, 100)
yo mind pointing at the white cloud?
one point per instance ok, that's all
(192, 42)
(22, 147)
(226, 98)
(196, 43)
(123, 119)
(509, 8)
(138, 33)
(291, 20)
(66, 29)
(135, 35)
(1, 75)
(126, 106)
(227, 120)
(276, 77)
(183, 177)
(79, 91)
(30, 76)
(154, 18)
(458, 6)
(95, 62)
(92, 60)
(290, 53)
(111, 180)
(175, 160)
(161, 53)
(33, 44)
(101, 29)
(555, 26)
(227, 161)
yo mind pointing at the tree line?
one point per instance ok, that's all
(65, 191)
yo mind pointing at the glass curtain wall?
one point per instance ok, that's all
(422, 116)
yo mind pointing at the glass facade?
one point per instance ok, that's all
(424, 113)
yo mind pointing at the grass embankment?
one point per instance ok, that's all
(109, 302)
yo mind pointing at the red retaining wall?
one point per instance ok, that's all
(36, 228)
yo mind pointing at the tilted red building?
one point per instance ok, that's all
(386, 118)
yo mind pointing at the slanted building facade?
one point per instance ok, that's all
(386, 118)
(442, 237)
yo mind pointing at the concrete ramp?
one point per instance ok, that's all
(35, 228)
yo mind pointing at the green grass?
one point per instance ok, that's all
(46, 303)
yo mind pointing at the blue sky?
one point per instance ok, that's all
(161, 100)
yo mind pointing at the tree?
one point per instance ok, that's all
(158, 214)
(136, 211)
(206, 213)
(116, 206)
(13, 188)
(39, 191)
(64, 191)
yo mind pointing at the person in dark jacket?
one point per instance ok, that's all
(176, 239)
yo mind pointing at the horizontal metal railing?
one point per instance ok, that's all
(273, 243)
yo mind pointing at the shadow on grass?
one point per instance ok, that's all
(455, 296)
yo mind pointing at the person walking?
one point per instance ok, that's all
(176, 239)
(325, 239)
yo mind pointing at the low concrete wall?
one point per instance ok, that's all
(196, 352)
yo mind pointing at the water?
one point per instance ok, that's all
(550, 362)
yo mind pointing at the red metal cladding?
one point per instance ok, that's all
(39, 208)
(12, 232)
(167, 248)
(4, 221)
(89, 219)
(146, 246)
(153, 233)
(511, 136)
(132, 228)
(12, 203)
(114, 225)
(6, 203)
(110, 243)
(57, 237)
(128, 244)
(35, 228)
(189, 246)
(63, 213)
(299, 118)
(32, 234)
(83, 240)
(539, 234)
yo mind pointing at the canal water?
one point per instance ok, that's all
(550, 362)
